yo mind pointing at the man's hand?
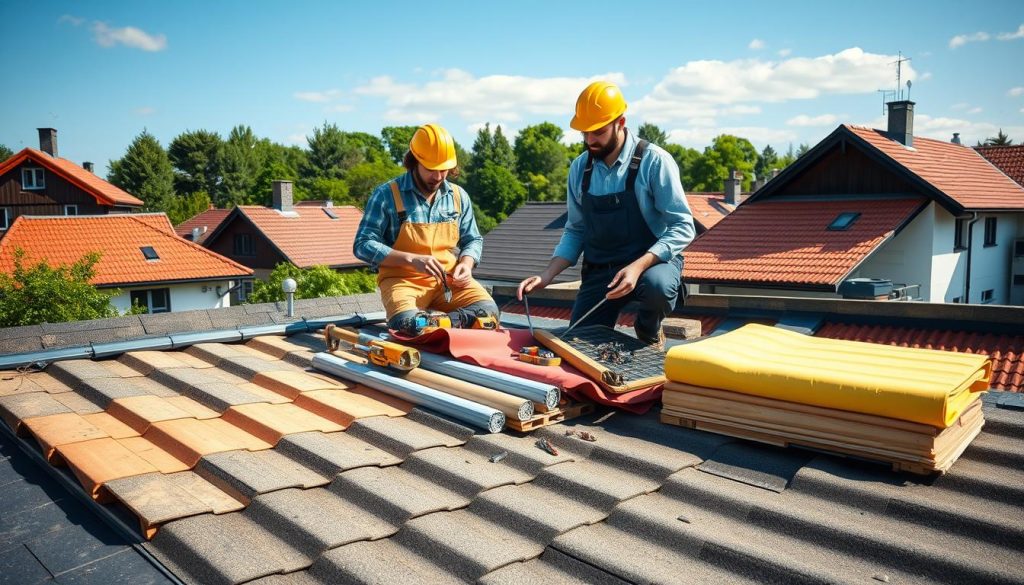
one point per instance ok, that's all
(427, 265)
(555, 267)
(625, 280)
(531, 284)
(462, 276)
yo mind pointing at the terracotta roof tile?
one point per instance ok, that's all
(956, 170)
(708, 208)
(104, 192)
(787, 242)
(207, 222)
(64, 240)
(307, 236)
(1009, 159)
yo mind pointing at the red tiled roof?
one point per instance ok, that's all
(104, 192)
(64, 240)
(307, 236)
(708, 208)
(787, 243)
(209, 219)
(563, 313)
(1005, 350)
(1009, 159)
(958, 171)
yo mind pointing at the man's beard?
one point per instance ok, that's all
(604, 151)
(424, 187)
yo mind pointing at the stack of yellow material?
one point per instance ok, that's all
(915, 408)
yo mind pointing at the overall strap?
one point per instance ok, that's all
(458, 199)
(634, 164)
(399, 204)
(587, 170)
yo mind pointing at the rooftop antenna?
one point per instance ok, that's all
(900, 59)
(908, 89)
(887, 96)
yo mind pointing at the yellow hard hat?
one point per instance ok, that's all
(599, 105)
(433, 147)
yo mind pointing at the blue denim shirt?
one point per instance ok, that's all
(659, 194)
(379, 227)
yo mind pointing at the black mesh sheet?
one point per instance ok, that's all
(626, 357)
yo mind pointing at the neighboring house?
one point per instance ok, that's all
(1009, 159)
(141, 256)
(304, 235)
(521, 246)
(934, 218)
(200, 226)
(39, 182)
(708, 209)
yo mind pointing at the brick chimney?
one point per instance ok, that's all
(901, 122)
(87, 166)
(732, 188)
(48, 141)
(282, 195)
(956, 138)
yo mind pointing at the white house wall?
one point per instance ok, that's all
(990, 266)
(906, 258)
(949, 267)
(184, 297)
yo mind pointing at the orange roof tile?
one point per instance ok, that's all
(209, 219)
(307, 236)
(104, 192)
(787, 243)
(956, 170)
(1009, 159)
(708, 208)
(65, 239)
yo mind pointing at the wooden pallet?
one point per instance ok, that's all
(561, 414)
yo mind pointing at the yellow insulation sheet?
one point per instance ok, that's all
(918, 385)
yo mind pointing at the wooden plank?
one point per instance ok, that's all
(590, 368)
(551, 417)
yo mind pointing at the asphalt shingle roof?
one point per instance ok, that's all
(120, 237)
(522, 245)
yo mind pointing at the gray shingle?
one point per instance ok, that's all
(462, 471)
(331, 453)
(597, 484)
(204, 387)
(401, 436)
(103, 391)
(17, 407)
(382, 563)
(534, 511)
(177, 322)
(244, 474)
(551, 567)
(393, 494)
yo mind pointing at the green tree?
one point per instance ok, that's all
(766, 161)
(369, 146)
(363, 178)
(804, 149)
(185, 207)
(496, 190)
(484, 222)
(145, 172)
(686, 159)
(240, 165)
(727, 152)
(542, 162)
(35, 294)
(278, 163)
(196, 156)
(327, 189)
(5, 153)
(314, 282)
(501, 151)
(652, 134)
(332, 152)
(999, 139)
(397, 139)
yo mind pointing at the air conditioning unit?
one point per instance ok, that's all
(1017, 273)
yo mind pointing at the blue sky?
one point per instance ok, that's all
(775, 72)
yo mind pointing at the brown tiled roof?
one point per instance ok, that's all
(959, 172)
(104, 192)
(786, 243)
(308, 236)
(1009, 159)
(523, 244)
(207, 222)
(708, 208)
(119, 237)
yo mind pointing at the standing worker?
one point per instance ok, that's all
(419, 231)
(627, 214)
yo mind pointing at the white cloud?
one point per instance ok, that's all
(1018, 34)
(70, 19)
(144, 111)
(128, 36)
(704, 88)
(297, 138)
(756, 44)
(785, 52)
(974, 110)
(961, 40)
(494, 97)
(318, 96)
(741, 109)
(804, 120)
(1016, 91)
(942, 128)
(925, 76)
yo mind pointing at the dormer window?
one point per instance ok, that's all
(33, 178)
(149, 253)
(843, 221)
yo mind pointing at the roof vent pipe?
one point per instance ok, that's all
(956, 138)
(87, 166)
(288, 286)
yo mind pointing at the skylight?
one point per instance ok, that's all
(149, 253)
(330, 213)
(844, 220)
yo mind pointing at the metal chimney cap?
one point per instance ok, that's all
(289, 285)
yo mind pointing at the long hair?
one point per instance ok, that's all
(410, 163)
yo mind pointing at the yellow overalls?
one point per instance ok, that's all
(404, 289)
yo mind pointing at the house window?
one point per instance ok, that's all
(986, 295)
(149, 253)
(5, 218)
(157, 300)
(33, 178)
(990, 231)
(959, 233)
(243, 245)
(1018, 279)
(70, 210)
(245, 291)
(958, 300)
(843, 221)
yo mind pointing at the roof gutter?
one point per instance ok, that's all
(40, 359)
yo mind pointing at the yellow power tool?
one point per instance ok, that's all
(382, 353)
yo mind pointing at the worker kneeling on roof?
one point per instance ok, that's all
(418, 230)
(627, 215)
